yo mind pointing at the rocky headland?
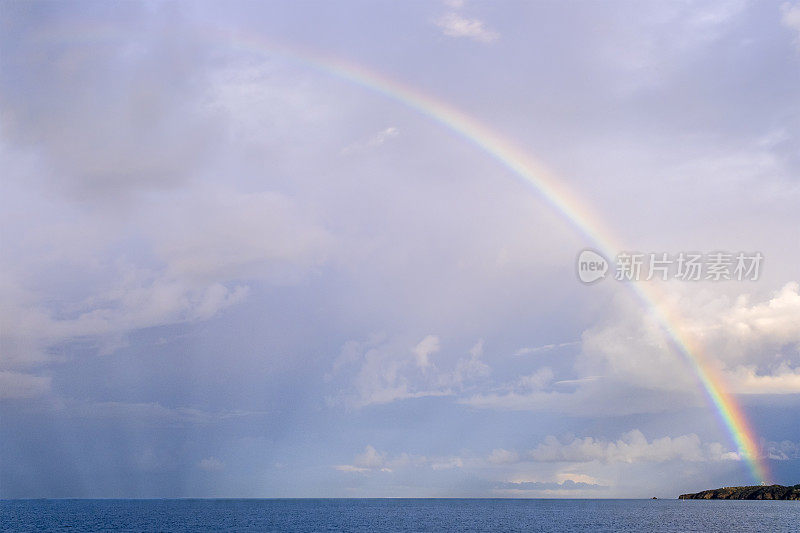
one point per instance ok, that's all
(758, 492)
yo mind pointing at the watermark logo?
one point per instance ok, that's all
(591, 266)
(683, 266)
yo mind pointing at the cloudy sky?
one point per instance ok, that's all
(227, 271)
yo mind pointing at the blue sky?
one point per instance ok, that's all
(228, 273)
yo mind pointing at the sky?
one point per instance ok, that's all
(229, 269)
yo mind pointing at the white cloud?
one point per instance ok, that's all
(477, 350)
(790, 17)
(455, 25)
(426, 347)
(382, 371)
(782, 451)
(369, 460)
(781, 380)
(535, 381)
(380, 376)
(466, 370)
(632, 447)
(211, 464)
(206, 246)
(500, 456)
(124, 258)
(372, 460)
(447, 463)
(141, 299)
(576, 463)
(563, 488)
(756, 345)
(746, 330)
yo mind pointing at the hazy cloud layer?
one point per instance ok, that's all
(227, 264)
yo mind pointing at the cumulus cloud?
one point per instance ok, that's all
(755, 330)
(755, 344)
(517, 487)
(379, 374)
(382, 370)
(500, 456)
(455, 25)
(467, 369)
(628, 365)
(426, 347)
(127, 209)
(782, 451)
(782, 379)
(535, 381)
(371, 460)
(447, 463)
(631, 447)
(175, 189)
(202, 250)
(557, 464)
(477, 350)
(141, 299)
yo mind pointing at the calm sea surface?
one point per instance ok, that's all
(398, 515)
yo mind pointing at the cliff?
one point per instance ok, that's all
(761, 492)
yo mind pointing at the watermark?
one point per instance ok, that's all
(592, 266)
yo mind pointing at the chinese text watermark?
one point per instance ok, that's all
(683, 266)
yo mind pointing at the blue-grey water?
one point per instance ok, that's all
(403, 515)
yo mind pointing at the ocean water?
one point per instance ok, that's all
(403, 515)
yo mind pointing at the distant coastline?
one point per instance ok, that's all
(757, 492)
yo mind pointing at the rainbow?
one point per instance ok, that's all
(533, 174)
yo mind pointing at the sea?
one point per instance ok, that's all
(400, 515)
